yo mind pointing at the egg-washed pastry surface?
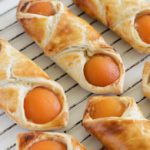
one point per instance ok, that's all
(146, 80)
(27, 94)
(47, 141)
(130, 19)
(117, 122)
(73, 44)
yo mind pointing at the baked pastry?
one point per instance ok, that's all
(146, 80)
(47, 141)
(73, 44)
(130, 19)
(118, 123)
(27, 94)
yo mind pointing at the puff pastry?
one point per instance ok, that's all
(69, 41)
(146, 80)
(129, 131)
(18, 76)
(120, 16)
(26, 140)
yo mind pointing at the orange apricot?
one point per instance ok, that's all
(48, 145)
(41, 105)
(142, 25)
(101, 70)
(107, 107)
(42, 8)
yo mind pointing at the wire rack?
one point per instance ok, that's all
(77, 97)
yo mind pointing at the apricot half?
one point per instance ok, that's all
(42, 8)
(107, 107)
(41, 105)
(142, 25)
(48, 145)
(101, 70)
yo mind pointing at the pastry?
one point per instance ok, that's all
(27, 94)
(47, 141)
(73, 44)
(130, 19)
(146, 80)
(118, 123)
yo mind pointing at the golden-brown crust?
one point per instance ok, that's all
(67, 34)
(117, 134)
(4, 61)
(130, 131)
(8, 99)
(20, 65)
(25, 140)
(88, 7)
(146, 80)
(18, 76)
(120, 17)
(70, 42)
(35, 27)
(69, 28)
(30, 69)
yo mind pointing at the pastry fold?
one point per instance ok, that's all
(25, 140)
(120, 16)
(130, 131)
(18, 76)
(146, 80)
(69, 41)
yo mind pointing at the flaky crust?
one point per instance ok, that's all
(69, 41)
(119, 15)
(146, 80)
(25, 140)
(18, 76)
(131, 131)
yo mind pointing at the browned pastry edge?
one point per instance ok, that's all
(130, 131)
(18, 76)
(25, 140)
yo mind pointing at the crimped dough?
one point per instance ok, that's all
(18, 76)
(69, 41)
(146, 80)
(131, 131)
(119, 15)
(25, 140)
